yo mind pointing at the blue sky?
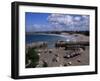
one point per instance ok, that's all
(35, 22)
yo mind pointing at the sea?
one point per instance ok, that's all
(51, 39)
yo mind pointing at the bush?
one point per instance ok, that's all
(33, 57)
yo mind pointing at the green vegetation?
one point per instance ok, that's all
(33, 57)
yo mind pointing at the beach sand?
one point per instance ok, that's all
(56, 58)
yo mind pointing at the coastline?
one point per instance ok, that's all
(69, 37)
(77, 53)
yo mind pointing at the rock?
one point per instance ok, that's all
(39, 54)
(57, 59)
(70, 63)
(39, 51)
(68, 56)
(56, 55)
(61, 65)
(50, 51)
(54, 60)
(45, 51)
(78, 60)
(65, 64)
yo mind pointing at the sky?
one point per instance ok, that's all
(41, 22)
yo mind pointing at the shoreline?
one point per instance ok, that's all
(72, 37)
(48, 34)
(76, 53)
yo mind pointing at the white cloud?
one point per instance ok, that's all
(60, 18)
(70, 22)
(77, 18)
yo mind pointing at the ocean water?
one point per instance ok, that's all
(50, 39)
